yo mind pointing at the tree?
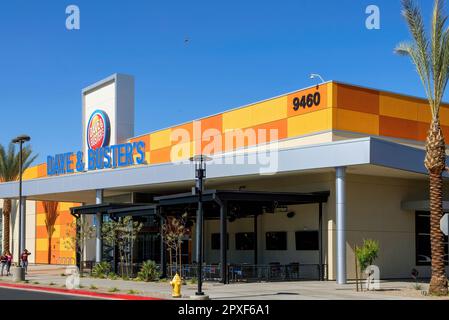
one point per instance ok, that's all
(51, 214)
(10, 171)
(174, 231)
(122, 233)
(431, 59)
(78, 233)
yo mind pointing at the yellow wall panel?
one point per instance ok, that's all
(310, 123)
(65, 206)
(331, 94)
(41, 244)
(393, 106)
(40, 219)
(57, 233)
(269, 111)
(30, 173)
(357, 121)
(160, 139)
(237, 119)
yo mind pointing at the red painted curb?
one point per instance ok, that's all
(78, 292)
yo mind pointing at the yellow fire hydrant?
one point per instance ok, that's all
(176, 283)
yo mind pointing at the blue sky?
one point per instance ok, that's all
(239, 52)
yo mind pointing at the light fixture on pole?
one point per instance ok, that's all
(200, 175)
(21, 140)
(317, 76)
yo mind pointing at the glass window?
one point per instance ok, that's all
(216, 241)
(307, 240)
(276, 240)
(244, 241)
(422, 234)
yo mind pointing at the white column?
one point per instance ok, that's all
(340, 198)
(98, 247)
(22, 220)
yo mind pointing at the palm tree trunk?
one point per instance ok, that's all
(6, 215)
(435, 163)
(49, 249)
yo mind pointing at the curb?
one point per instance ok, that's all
(81, 293)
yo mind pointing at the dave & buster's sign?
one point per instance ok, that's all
(100, 154)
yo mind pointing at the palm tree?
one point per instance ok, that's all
(431, 59)
(51, 214)
(9, 171)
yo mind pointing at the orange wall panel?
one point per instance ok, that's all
(280, 126)
(42, 170)
(398, 128)
(59, 237)
(358, 99)
(211, 128)
(160, 155)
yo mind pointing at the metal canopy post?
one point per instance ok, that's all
(320, 228)
(340, 197)
(163, 249)
(256, 258)
(224, 241)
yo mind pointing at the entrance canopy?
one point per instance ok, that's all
(239, 203)
(114, 210)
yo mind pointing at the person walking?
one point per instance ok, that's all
(3, 261)
(24, 260)
(8, 263)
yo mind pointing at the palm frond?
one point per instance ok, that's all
(410, 50)
(10, 162)
(415, 22)
(429, 55)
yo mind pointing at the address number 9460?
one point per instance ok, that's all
(307, 101)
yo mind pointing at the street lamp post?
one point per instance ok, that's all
(21, 140)
(200, 175)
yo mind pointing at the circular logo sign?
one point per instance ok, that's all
(98, 130)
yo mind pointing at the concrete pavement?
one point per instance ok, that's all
(304, 290)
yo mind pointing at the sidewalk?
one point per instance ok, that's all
(51, 277)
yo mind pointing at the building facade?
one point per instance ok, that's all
(363, 147)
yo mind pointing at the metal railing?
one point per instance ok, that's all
(276, 272)
(254, 273)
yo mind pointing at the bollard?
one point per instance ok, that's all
(18, 274)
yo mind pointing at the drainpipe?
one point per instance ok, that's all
(340, 198)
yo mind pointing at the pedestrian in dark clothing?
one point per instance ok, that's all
(24, 260)
(8, 263)
(3, 262)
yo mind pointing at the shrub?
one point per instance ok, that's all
(133, 291)
(101, 269)
(114, 289)
(148, 272)
(367, 253)
(92, 287)
(112, 276)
